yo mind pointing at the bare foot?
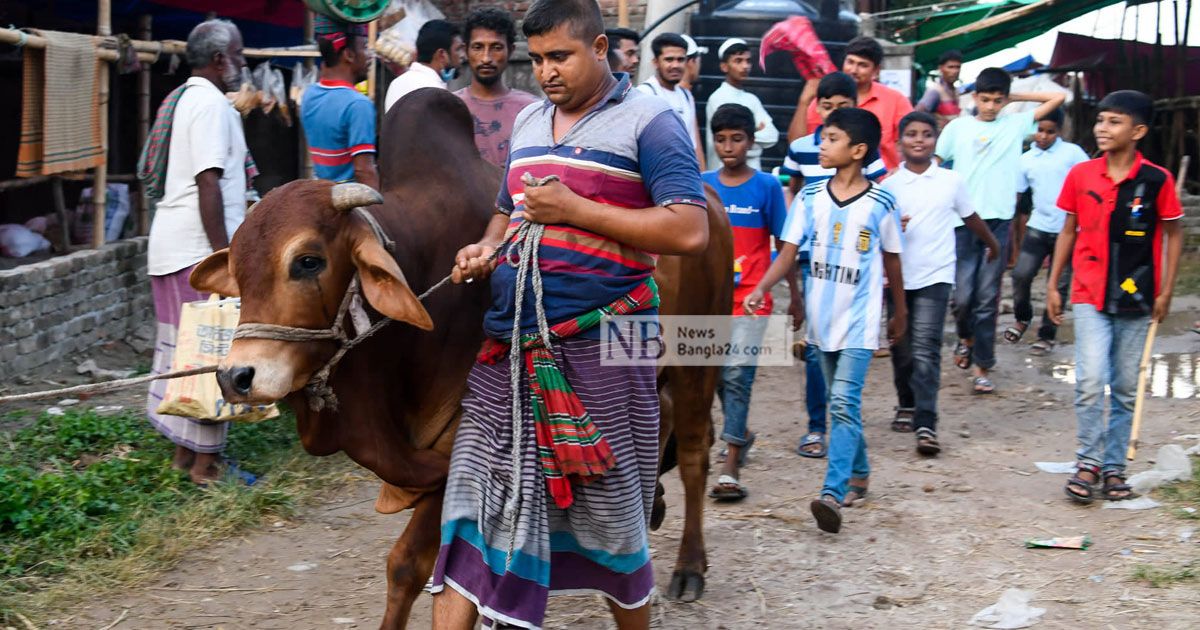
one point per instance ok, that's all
(183, 458)
(204, 469)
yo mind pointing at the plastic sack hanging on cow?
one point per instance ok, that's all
(205, 333)
(796, 36)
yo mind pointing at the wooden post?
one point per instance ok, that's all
(60, 207)
(143, 129)
(372, 81)
(623, 13)
(310, 37)
(100, 186)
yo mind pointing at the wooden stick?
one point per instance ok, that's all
(60, 207)
(1138, 403)
(145, 119)
(106, 47)
(100, 187)
(623, 13)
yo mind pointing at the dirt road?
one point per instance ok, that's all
(938, 540)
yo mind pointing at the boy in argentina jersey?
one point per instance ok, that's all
(851, 230)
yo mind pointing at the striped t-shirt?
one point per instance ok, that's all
(845, 241)
(339, 123)
(802, 161)
(629, 151)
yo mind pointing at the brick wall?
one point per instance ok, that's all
(1191, 223)
(52, 309)
(456, 10)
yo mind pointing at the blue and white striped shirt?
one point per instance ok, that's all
(845, 241)
(801, 161)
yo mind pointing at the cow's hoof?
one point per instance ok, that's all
(686, 586)
(659, 511)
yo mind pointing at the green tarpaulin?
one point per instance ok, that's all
(979, 28)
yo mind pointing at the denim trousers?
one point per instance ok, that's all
(1108, 351)
(814, 379)
(917, 358)
(977, 289)
(846, 373)
(1035, 249)
(737, 377)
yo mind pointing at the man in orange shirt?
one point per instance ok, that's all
(864, 56)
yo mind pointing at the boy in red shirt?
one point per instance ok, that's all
(1119, 209)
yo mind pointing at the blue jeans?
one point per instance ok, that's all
(814, 379)
(1108, 351)
(977, 289)
(846, 373)
(1035, 249)
(917, 359)
(737, 378)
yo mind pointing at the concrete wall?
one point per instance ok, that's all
(55, 308)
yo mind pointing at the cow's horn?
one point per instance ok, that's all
(351, 195)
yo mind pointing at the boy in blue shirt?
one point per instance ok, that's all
(851, 229)
(338, 121)
(833, 91)
(986, 152)
(1044, 167)
(754, 202)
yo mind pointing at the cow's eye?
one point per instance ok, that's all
(307, 266)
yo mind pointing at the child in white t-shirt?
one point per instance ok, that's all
(851, 229)
(931, 200)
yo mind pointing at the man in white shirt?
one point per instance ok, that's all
(440, 54)
(670, 65)
(203, 204)
(735, 63)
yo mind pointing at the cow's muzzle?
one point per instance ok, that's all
(236, 382)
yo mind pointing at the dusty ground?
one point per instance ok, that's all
(939, 539)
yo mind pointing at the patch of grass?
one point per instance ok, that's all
(1188, 280)
(89, 504)
(1184, 494)
(1162, 577)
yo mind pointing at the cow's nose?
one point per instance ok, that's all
(239, 379)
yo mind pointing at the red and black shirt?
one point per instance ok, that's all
(1118, 244)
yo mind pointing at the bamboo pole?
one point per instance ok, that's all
(372, 35)
(623, 13)
(310, 38)
(106, 47)
(144, 120)
(100, 187)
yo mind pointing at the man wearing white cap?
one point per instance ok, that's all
(735, 63)
(691, 72)
(670, 66)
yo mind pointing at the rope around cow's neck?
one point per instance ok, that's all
(527, 241)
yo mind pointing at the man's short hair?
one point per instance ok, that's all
(207, 39)
(861, 125)
(584, 17)
(667, 40)
(491, 19)
(1056, 116)
(1132, 103)
(993, 81)
(615, 63)
(867, 48)
(434, 35)
(918, 117)
(837, 84)
(950, 55)
(615, 35)
(733, 116)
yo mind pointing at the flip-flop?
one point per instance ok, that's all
(962, 356)
(809, 440)
(1041, 347)
(1013, 333)
(233, 472)
(728, 489)
(827, 513)
(983, 385)
(853, 495)
(903, 422)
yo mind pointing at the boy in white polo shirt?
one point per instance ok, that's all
(931, 200)
(851, 229)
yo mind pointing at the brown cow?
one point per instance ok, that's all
(694, 285)
(292, 262)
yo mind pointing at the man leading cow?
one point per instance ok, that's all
(508, 540)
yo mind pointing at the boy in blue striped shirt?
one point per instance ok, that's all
(851, 229)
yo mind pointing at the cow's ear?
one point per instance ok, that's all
(384, 286)
(212, 275)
